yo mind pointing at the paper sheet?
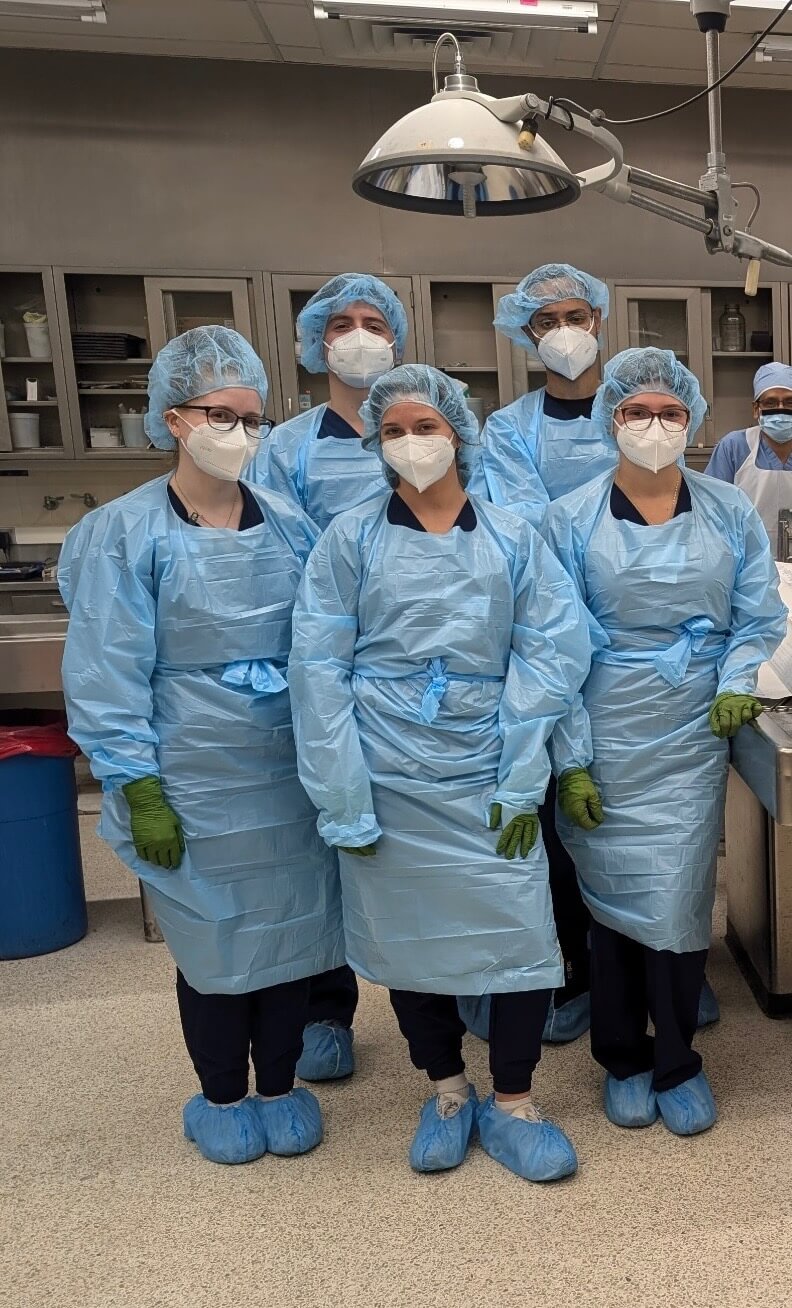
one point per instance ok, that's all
(775, 676)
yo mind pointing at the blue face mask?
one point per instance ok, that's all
(778, 426)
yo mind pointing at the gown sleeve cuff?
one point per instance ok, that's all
(351, 834)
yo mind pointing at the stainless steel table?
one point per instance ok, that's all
(759, 858)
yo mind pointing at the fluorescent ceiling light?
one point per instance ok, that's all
(563, 15)
(775, 49)
(771, 6)
(83, 11)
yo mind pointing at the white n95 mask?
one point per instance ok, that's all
(420, 460)
(359, 357)
(568, 351)
(220, 454)
(654, 448)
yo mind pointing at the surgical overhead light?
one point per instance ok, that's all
(466, 153)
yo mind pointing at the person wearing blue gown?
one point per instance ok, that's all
(677, 574)
(353, 329)
(437, 642)
(180, 597)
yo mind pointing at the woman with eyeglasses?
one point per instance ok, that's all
(180, 597)
(676, 572)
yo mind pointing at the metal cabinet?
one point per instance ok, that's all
(301, 389)
(113, 325)
(459, 337)
(686, 319)
(34, 409)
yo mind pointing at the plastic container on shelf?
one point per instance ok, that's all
(132, 431)
(731, 329)
(25, 434)
(42, 895)
(37, 333)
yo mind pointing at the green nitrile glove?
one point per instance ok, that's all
(729, 712)
(518, 836)
(360, 851)
(579, 799)
(156, 830)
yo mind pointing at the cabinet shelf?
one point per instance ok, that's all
(742, 354)
(115, 390)
(24, 358)
(110, 363)
(466, 367)
(32, 404)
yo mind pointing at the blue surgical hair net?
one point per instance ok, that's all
(424, 385)
(637, 370)
(199, 361)
(771, 375)
(546, 285)
(334, 297)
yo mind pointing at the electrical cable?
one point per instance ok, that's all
(597, 115)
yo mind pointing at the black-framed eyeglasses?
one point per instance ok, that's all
(673, 419)
(775, 405)
(256, 425)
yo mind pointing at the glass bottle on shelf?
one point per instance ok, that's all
(732, 330)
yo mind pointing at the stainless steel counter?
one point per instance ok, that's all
(759, 859)
(31, 652)
(21, 597)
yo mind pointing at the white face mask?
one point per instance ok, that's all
(568, 351)
(420, 460)
(221, 454)
(359, 357)
(654, 448)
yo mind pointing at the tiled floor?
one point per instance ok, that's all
(106, 1206)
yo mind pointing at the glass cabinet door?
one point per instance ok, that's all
(301, 390)
(108, 355)
(519, 370)
(668, 317)
(34, 411)
(177, 304)
(745, 332)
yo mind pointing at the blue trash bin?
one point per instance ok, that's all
(42, 895)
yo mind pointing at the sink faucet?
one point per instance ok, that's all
(90, 501)
(52, 501)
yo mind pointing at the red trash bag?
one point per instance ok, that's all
(41, 732)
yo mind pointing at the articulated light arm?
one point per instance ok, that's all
(627, 185)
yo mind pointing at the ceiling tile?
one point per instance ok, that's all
(662, 50)
(291, 24)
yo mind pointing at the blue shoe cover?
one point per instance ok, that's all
(327, 1052)
(631, 1102)
(291, 1124)
(688, 1108)
(709, 1008)
(568, 1021)
(474, 1011)
(225, 1133)
(537, 1151)
(441, 1143)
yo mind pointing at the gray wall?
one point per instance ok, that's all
(112, 160)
